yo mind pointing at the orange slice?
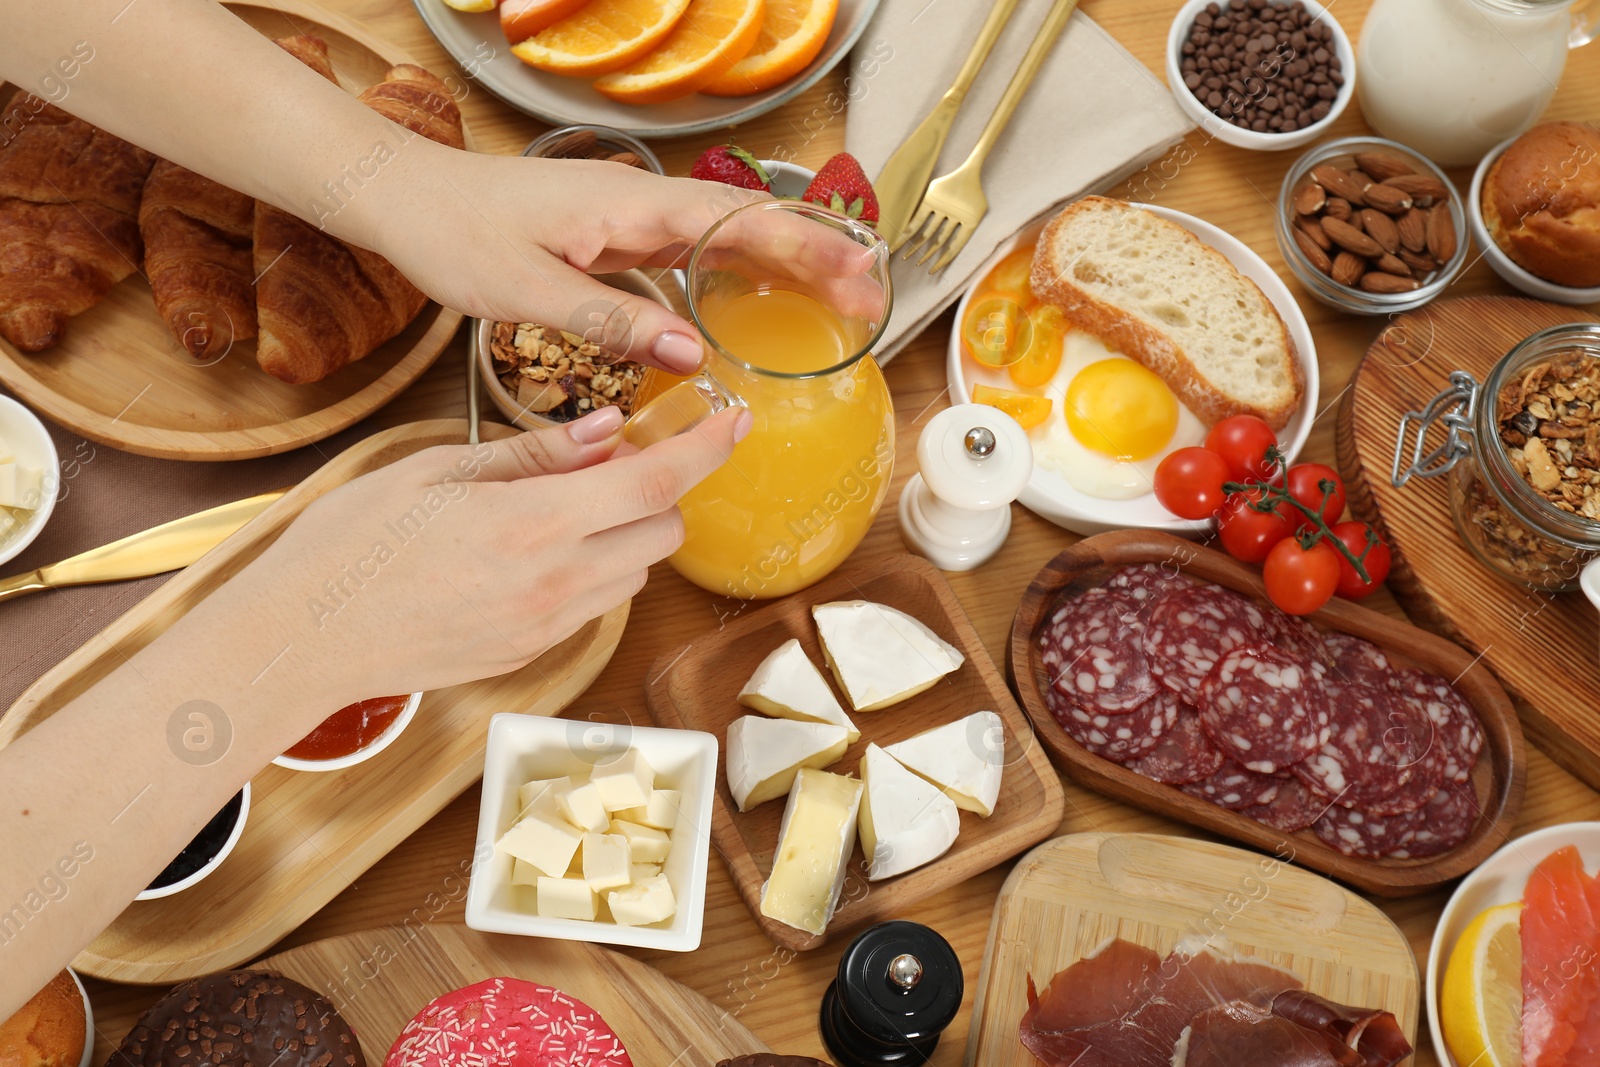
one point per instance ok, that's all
(792, 33)
(521, 19)
(711, 38)
(1029, 411)
(601, 36)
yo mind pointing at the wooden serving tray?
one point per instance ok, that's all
(118, 377)
(1541, 645)
(662, 1023)
(281, 872)
(1068, 896)
(696, 688)
(1499, 777)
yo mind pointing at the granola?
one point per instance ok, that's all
(559, 375)
(1550, 424)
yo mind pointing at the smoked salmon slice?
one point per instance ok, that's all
(1560, 978)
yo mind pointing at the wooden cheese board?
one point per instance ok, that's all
(1541, 645)
(1498, 779)
(120, 378)
(309, 835)
(1069, 896)
(659, 1021)
(696, 688)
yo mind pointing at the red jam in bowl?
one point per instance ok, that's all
(349, 730)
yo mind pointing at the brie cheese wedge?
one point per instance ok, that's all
(764, 755)
(814, 845)
(880, 655)
(905, 821)
(964, 758)
(788, 685)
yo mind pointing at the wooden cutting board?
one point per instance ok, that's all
(378, 980)
(1068, 896)
(1542, 646)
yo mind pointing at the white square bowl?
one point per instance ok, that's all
(523, 748)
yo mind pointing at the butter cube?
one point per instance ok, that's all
(6, 455)
(606, 859)
(642, 872)
(567, 898)
(532, 791)
(582, 808)
(649, 902)
(624, 782)
(814, 845)
(524, 873)
(20, 487)
(660, 811)
(546, 844)
(649, 844)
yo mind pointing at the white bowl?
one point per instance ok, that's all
(360, 755)
(30, 440)
(523, 748)
(1500, 879)
(215, 861)
(1503, 264)
(1225, 131)
(789, 180)
(88, 1021)
(1047, 494)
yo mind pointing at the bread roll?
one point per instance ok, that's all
(1541, 203)
(49, 1030)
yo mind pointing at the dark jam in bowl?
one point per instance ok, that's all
(206, 844)
(349, 730)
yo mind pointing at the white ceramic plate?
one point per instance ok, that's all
(1508, 269)
(1048, 494)
(1500, 879)
(477, 44)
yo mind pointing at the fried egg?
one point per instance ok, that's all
(1113, 423)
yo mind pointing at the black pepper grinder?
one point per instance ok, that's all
(899, 986)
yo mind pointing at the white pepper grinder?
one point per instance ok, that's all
(956, 510)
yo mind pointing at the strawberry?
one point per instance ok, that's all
(841, 186)
(731, 165)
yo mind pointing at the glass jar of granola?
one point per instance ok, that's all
(1522, 451)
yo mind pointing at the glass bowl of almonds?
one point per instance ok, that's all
(1371, 227)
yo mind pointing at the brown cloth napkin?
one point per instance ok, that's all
(1093, 116)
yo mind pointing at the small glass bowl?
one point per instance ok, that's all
(1349, 298)
(608, 138)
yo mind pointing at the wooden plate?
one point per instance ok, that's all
(1068, 896)
(118, 377)
(280, 873)
(696, 688)
(1499, 777)
(1540, 644)
(662, 1023)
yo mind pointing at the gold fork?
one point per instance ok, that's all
(954, 203)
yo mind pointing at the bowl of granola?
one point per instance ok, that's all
(539, 374)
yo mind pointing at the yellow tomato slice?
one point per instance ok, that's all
(1042, 358)
(996, 331)
(1029, 411)
(1010, 277)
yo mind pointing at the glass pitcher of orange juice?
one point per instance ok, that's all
(788, 333)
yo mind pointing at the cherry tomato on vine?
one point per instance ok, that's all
(1248, 533)
(1301, 580)
(1243, 440)
(1189, 483)
(1305, 485)
(1354, 536)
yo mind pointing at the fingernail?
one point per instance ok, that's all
(596, 426)
(677, 352)
(742, 425)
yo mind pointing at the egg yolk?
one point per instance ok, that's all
(1121, 409)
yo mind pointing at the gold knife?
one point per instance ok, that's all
(901, 183)
(159, 549)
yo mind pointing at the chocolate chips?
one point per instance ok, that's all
(1270, 68)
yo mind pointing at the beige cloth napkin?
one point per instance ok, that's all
(1093, 116)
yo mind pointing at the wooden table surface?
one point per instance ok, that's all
(737, 967)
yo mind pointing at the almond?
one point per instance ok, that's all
(1441, 233)
(1383, 165)
(1348, 268)
(1413, 229)
(1313, 253)
(1420, 262)
(1338, 207)
(1425, 189)
(1388, 199)
(1381, 228)
(1340, 183)
(1378, 282)
(1351, 239)
(1390, 264)
(1309, 199)
(1313, 229)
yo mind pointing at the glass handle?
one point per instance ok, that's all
(682, 407)
(1455, 408)
(1585, 23)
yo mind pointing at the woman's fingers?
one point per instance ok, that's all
(629, 325)
(638, 544)
(556, 450)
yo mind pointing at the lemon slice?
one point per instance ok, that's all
(472, 5)
(1480, 999)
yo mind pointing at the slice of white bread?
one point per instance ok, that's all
(1153, 291)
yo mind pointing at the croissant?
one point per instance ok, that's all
(69, 231)
(322, 303)
(197, 244)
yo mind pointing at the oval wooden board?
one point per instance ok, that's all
(1070, 895)
(118, 377)
(280, 873)
(1498, 779)
(380, 979)
(1542, 646)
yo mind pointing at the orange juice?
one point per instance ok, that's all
(802, 489)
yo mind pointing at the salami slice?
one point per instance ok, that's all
(1235, 787)
(1187, 632)
(1185, 754)
(1092, 651)
(1293, 809)
(1357, 660)
(1373, 749)
(1457, 732)
(1147, 581)
(1441, 825)
(1298, 638)
(1120, 737)
(1264, 709)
